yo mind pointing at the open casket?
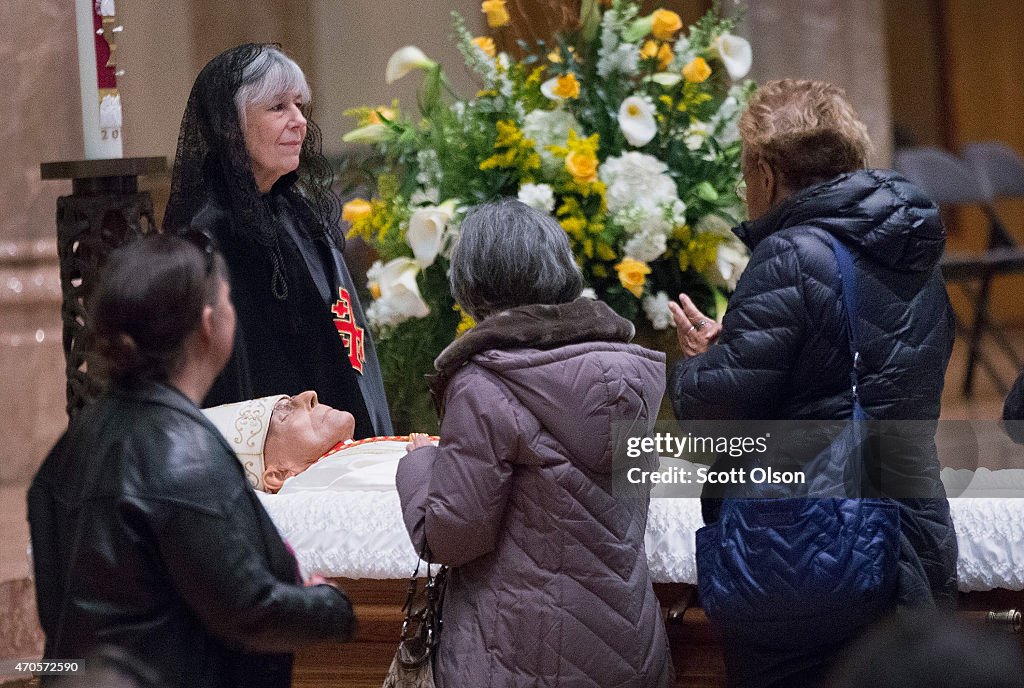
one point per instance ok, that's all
(343, 519)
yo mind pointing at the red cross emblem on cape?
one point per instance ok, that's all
(351, 334)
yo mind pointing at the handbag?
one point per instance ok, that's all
(413, 665)
(811, 568)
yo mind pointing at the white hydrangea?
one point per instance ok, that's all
(656, 309)
(646, 246)
(649, 226)
(682, 52)
(539, 196)
(613, 23)
(549, 128)
(725, 122)
(632, 177)
(429, 174)
(381, 315)
(623, 61)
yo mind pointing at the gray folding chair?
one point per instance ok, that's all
(950, 181)
(1001, 171)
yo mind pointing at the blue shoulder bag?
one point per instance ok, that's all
(811, 570)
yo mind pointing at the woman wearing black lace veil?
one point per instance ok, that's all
(250, 171)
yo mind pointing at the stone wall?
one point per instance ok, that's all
(40, 120)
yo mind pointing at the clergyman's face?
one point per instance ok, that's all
(273, 137)
(302, 430)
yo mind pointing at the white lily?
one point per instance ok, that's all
(668, 79)
(426, 230)
(636, 119)
(396, 281)
(730, 262)
(371, 133)
(404, 60)
(736, 55)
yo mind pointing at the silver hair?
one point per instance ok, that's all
(509, 254)
(270, 75)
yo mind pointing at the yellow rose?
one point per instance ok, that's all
(632, 275)
(665, 24)
(567, 86)
(355, 210)
(697, 70)
(664, 56)
(497, 14)
(649, 51)
(582, 167)
(486, 43)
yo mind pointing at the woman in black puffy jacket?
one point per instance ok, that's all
(782, 352)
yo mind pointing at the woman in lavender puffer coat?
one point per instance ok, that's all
(549, 583)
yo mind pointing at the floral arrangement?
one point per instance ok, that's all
(624, 131)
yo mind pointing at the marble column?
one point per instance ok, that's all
(840, 41)
(40, 120)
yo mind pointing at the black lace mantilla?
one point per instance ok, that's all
(212, 164)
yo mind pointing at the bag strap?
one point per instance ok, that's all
(849, 288)
(428, 618)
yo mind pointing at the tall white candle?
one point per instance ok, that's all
(101, 112)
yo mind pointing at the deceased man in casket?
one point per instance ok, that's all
(335, 502)
(279, 437)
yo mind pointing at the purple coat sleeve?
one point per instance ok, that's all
(454, 495)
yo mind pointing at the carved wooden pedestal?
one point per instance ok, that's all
(105, 210)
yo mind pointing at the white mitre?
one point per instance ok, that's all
(245, 426)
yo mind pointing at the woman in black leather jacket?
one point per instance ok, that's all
(146, 535)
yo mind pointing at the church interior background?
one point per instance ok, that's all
(931, 72)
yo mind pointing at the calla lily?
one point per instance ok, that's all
(404, 60)
(426, 230)
(667, 79)
(636, 119)
(561, 87)
(398, 288)
(736, 55)
(729, 263)
(371, 133)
